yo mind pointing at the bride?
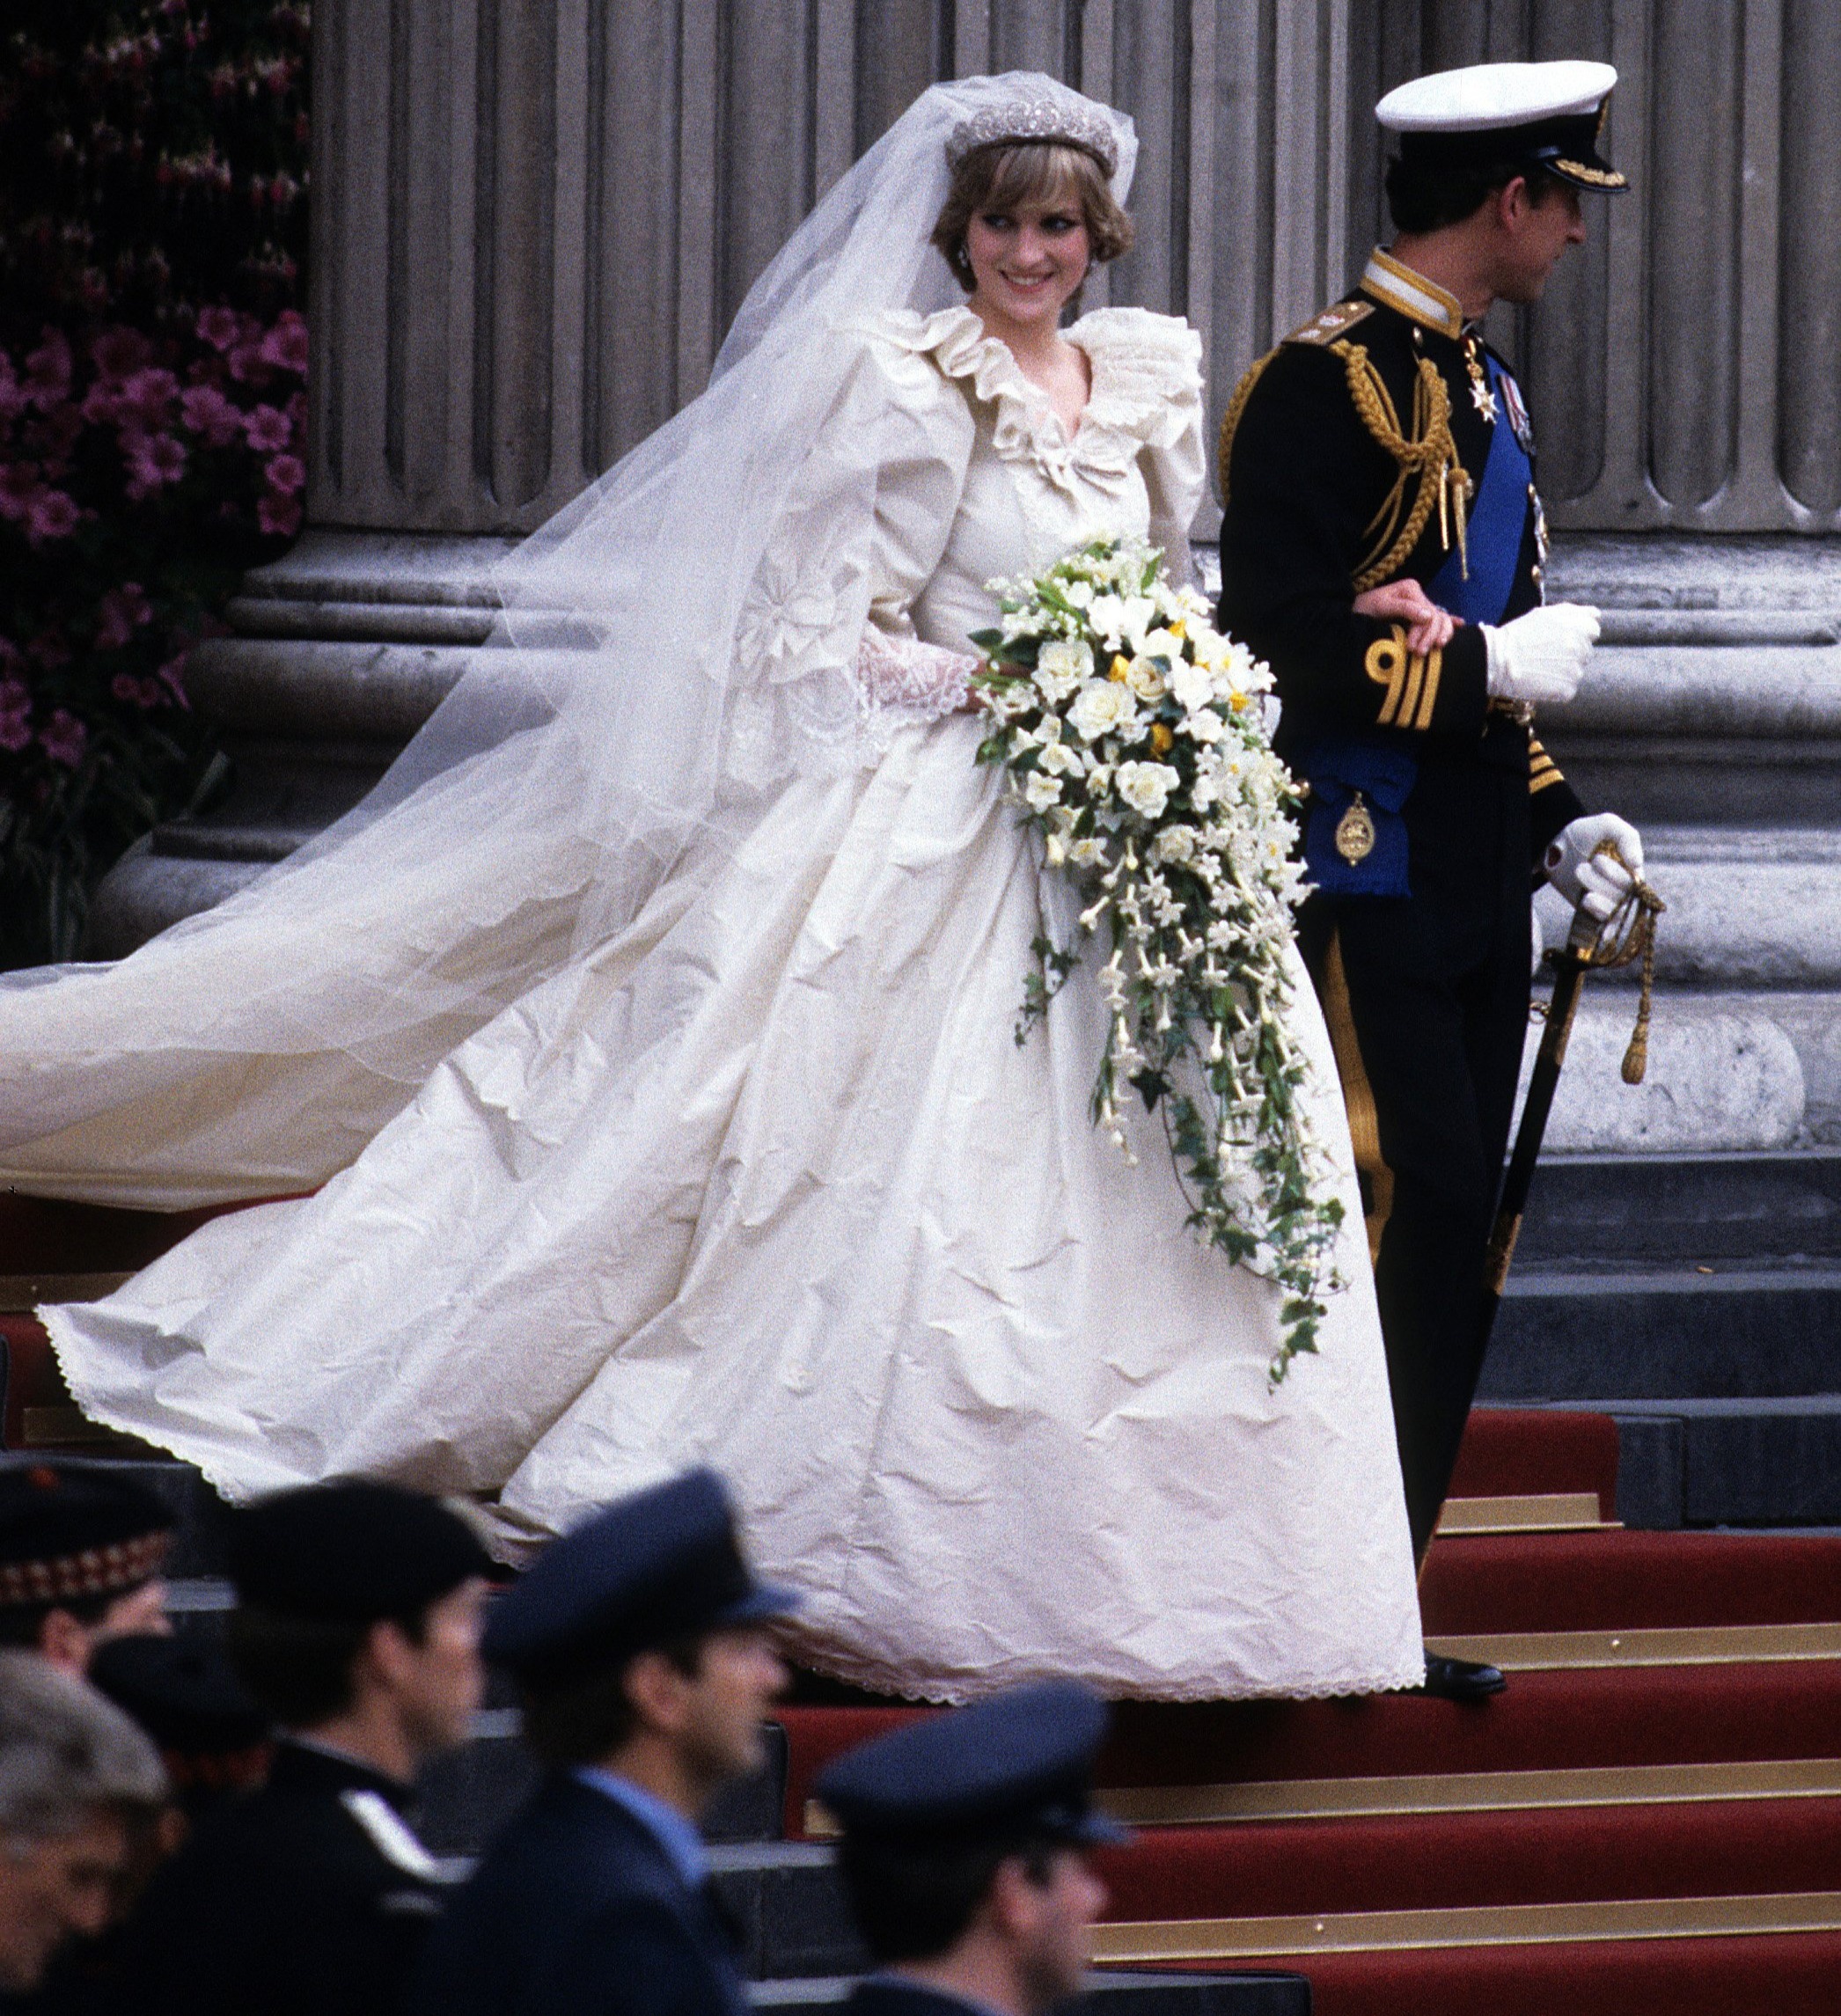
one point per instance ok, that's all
(644, 1045)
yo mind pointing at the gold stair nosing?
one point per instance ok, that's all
(1590, 1921)
(21, 1294)
(1472, 1792)
(1685, 1645)
(1528, 1512)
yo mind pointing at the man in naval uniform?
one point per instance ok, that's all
(1382, 548)
(358, 1632)
(965, 1854)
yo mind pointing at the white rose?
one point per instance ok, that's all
(1106, 616)
(1079, 593)
(1102, 707)
(1206, 727)
(1191, 685)
(1061, 666)
(1144, 678)
(1146, 787)
(1040, 790)
(1162, 643)
(1059, 759)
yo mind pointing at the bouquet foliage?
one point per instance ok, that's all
(1133, 739)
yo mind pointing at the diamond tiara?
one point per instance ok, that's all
(1026, 118)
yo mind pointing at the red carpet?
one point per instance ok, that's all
(1511, 1452)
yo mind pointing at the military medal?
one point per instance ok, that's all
(1481, 397)
(1355, 833)
(1517, 412)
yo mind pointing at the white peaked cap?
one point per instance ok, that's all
(1488, 95)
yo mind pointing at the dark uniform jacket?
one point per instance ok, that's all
(1339, 473)
(578, 1910)
(888, 1994)
(306, 1897)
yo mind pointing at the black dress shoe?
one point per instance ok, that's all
(1460, 1679)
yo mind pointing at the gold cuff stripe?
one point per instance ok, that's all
(1411, 678)
(1541, 782)
(1595, 1920)
(1435, 671)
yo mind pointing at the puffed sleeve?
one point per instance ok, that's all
(1151, 388)
(866, 517)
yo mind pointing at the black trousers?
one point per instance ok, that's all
(1427, 998)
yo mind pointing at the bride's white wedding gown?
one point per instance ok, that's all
(763, 1180)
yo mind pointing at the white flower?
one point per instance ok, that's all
(1174, 843)
(1102, 707)
(1079, 593)
(1162, 643)
(1146, 787)
(1106, 617)
(1144, 678)
(1062, 759)
(1193, 684)
(1206, 727)
(1137, 615)
(1060, 667)
(1088, 852)
(1040, 790)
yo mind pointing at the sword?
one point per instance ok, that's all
(1628, 933)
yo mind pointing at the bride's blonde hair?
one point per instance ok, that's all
(1009, 173)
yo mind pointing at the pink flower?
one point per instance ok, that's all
(47, 371)
(267, 429)
(220, 326)
(206, 411)
(285, 346)
(120, 353)
(126, 686)
(50, 515)
(153, 460)
(173, 672)
(15, 715)
(148, 395)
(279, 517)
(63, 739)
(12, 393)
(106, 403)
(124, 609)
(286, 473)
(19, 485)
(247, 364)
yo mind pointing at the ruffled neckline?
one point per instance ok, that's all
(1141, 365)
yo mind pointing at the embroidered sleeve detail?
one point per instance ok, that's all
(900, 679)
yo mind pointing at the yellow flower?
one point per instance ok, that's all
(1237, 701)
(1118, 670)
(1177, 628)
(1161, 739)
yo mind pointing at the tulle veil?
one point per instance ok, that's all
(673, 647)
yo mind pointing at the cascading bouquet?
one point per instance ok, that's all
(1132, 739)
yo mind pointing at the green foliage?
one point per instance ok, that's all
(152, 368)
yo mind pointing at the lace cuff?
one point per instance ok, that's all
(913, 681)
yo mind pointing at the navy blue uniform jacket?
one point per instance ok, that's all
(578, 1910)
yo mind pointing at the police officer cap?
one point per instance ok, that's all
(69, 1532)
(663, 1563)
(1018, 1766)
(1551, 115)
(351, 1553)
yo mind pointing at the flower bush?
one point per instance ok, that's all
(152, 408)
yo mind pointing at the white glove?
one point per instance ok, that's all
(1599, 885)
(1539, 658)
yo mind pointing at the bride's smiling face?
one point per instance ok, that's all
(1029, 260)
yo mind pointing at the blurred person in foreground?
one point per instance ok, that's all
(357, 1631)
(642, 1645)
(79, 1782)
(965, 1854)
(81, 1554)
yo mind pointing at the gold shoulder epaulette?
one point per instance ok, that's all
(1331, 322)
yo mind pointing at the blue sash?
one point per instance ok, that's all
(1497, 519)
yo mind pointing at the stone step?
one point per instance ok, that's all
(1751, 1463)
(1113, 1992)
(1708, 1209)
(1576, 1333)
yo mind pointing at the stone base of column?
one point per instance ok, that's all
(342, 650)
